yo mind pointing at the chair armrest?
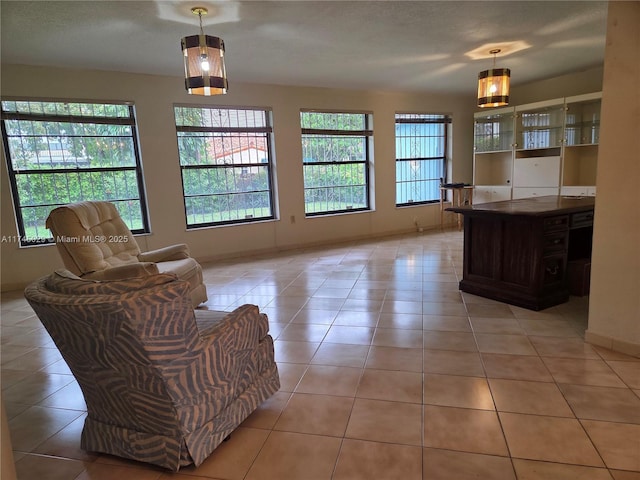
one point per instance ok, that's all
(121, 272)
(224, 358)
(165, 254)
(240, 329)
(209, 321)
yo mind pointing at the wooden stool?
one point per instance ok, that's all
(457, 198)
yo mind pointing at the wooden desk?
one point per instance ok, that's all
(457, 199)
(516, 251)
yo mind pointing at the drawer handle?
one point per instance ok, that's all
(586, 217)
(552, 270)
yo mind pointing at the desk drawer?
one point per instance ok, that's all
(582, 219)
(554, 242)
(561, 222)
(553, 269)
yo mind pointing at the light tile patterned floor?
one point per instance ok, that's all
(387, 371)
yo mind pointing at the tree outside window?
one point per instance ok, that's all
(225, 160)
(62, 152)
(335, 158)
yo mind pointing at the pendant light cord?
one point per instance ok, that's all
(495, 51)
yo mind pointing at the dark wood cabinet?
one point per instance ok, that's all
(516, 251)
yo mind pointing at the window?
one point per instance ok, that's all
(61, 152)
(225, 159)
(335, 157)
(421, 157)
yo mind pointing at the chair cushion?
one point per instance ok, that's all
(122, 272)
(65, 282)
(93, 236)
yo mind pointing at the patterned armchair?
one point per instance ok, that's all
(94, 242)
(163, 384)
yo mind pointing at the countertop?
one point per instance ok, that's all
(531, 206)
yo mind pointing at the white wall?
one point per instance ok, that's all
(614, 303)
(154, 97)
(576, 83)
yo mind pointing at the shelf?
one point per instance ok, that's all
(538, 148)
(585, 134)
(580, 165)
(481, 152)
(583, 124)
(540, 126)
(578, 145)
(494, 132)
(583, 121)
(532, 139)
(493, 168)
(538, 152)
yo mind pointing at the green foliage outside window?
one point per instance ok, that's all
(63, 152)
(335, 159)
(226, 164)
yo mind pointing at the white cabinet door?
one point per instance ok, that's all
(524, 192)
(575, 191)
(491, 194)
(500, 193)
(580, 191)
(536, 172)
(481, 194)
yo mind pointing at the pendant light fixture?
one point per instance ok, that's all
(493, 85)
(204, 62)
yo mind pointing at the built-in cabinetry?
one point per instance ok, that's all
(538, 149)
(493, 159)
(543, 148)
(582, 134)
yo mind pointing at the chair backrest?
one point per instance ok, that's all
(91, 236)
(119, 338)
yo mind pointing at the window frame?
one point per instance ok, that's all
(428, 118)
(130, 121)
(267, 130)
(366, 133)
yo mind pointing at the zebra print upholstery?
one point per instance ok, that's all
(162, 384)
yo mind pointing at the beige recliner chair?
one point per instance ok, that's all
(163, 383)
(95, 243)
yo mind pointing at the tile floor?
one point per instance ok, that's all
(387, 370)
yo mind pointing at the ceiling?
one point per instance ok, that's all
(379, 45)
